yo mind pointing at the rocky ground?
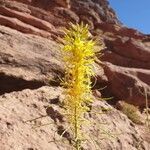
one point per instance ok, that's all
(31, 68)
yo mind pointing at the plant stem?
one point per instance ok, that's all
(77, 144)
(147, 108)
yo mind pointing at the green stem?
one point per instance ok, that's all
(77, 144)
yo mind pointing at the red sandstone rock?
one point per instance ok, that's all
(125, 47)
(128, 83)
(30, 59)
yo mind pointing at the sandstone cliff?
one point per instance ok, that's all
(30, 67)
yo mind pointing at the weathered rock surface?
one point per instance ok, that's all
(126, 48)
(24, 112)
(45, 17)
(30, 59)
(128, 83)
(127, 66)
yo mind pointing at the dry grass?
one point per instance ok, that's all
(131, 111)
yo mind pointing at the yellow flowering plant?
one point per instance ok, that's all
(79, 57)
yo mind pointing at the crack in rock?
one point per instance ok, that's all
(10, 83)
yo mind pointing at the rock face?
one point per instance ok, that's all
(24, 112)
(45, 17)
(127, 66)
(30, 60)
(128, 51)
(26, 61)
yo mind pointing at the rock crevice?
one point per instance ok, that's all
(10, 84)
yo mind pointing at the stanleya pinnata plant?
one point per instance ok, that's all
(79, 56)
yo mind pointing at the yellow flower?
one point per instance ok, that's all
(79, 57)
